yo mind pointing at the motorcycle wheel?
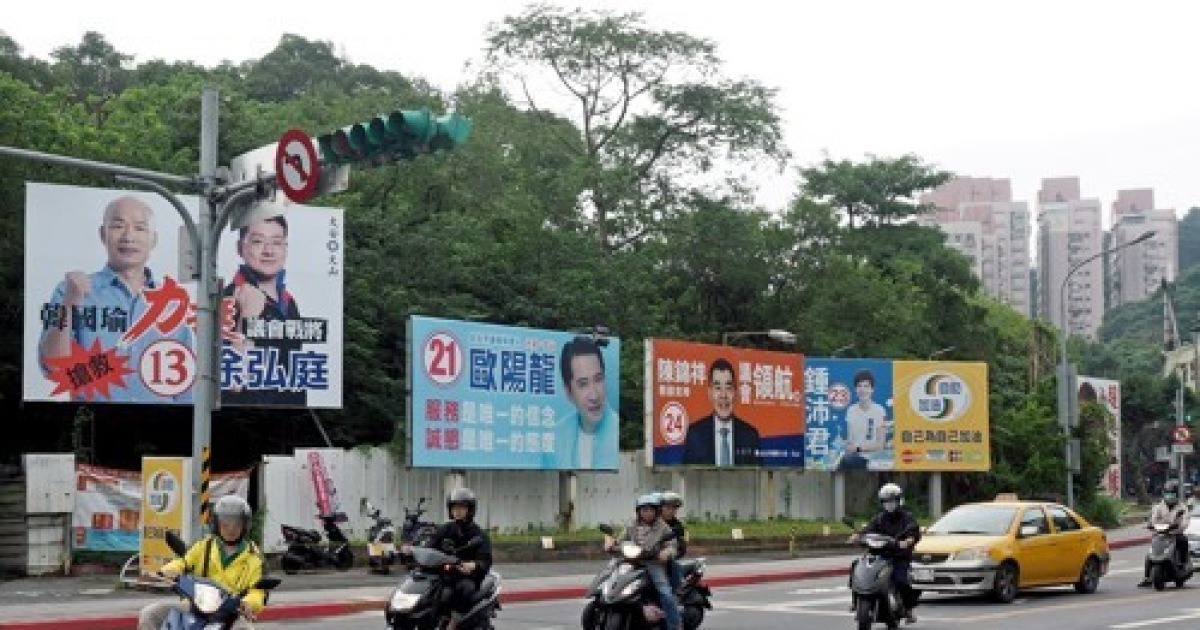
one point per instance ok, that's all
(587, 618)
(615, 621)
(291, 563)
(865, 614)
(1157, 578)
(345, 559)
(693, 616)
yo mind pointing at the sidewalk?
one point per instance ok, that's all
(92, 603)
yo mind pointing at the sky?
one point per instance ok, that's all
(1104, 90)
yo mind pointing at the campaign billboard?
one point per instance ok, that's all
(942, 416)
(849, 414)
(720, 406)
(1107, 393)
(109, 319)
(876, 414)
(492, 396)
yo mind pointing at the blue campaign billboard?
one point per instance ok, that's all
(849, 414)
(490, 396)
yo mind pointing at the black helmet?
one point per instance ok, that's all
(462, 496)
(231, 507)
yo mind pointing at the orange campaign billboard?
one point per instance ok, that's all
(718, 406)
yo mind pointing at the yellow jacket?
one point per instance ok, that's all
(243, 571)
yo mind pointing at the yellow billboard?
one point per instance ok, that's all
(941, 416)
(165, 507)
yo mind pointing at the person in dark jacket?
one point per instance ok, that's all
(897, 522)
(453, 538)
(671, 502)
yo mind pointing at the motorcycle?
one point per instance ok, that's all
(210, 605)
(875, 597)
(305, 550)
(422, 601)
(381, 542)
(1163, 558)
(622, 596)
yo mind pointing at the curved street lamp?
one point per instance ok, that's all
(1067, 396)
(775, 334)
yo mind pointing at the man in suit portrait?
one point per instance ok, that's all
(721, 438)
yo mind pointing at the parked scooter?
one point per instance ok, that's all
(381, 541)
(623, 597)
(416, 532)
(305, 550)
(1163, 558)
(875, 597)
(211, 606)
(423, 599)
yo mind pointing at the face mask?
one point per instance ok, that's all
(891, 505)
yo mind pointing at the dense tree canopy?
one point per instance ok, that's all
(610, 208)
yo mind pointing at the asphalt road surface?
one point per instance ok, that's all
(823, 603)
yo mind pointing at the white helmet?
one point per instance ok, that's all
(891, 496)
(231, 507)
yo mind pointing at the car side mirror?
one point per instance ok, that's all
(1028, 531)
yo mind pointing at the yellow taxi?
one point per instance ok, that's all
(999, 547)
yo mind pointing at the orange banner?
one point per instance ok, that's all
(722, 406)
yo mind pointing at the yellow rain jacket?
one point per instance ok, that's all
(242, 572)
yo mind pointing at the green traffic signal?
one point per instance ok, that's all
(400, 135)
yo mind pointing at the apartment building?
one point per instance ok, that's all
(981, 221)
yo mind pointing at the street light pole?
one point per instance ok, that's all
(939, 353)
(1066, 398)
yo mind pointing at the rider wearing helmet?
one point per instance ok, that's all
(1170, 511)
(225, 556)
(671, 502)
(454, 538)
(897, 522)
(653, 535)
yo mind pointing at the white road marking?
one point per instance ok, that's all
(1191, 613)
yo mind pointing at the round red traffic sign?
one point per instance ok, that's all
(1182, 435)
(296, 166)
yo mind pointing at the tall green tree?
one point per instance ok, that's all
(650, 105)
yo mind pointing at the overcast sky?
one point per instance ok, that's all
(1106, 90)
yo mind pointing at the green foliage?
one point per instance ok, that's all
(1102, 510)
(507, 229)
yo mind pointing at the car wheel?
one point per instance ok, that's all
(1089, 576)
(1004, 588)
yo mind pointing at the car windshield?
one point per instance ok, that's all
(983, 520)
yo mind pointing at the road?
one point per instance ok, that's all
(1118, 605)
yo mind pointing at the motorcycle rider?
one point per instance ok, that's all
(452, 538)
(650, 533)
(671, 502)
(897, 522)
(227, 557)
(1169, 511)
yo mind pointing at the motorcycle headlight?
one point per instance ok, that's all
(631, 588)
(207, 598)
(624, 568)
(972, 555)
(404, 601)
(631, 551)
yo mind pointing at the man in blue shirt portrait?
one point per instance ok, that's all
(103, 306)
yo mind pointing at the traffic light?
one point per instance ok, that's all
(400, 135)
